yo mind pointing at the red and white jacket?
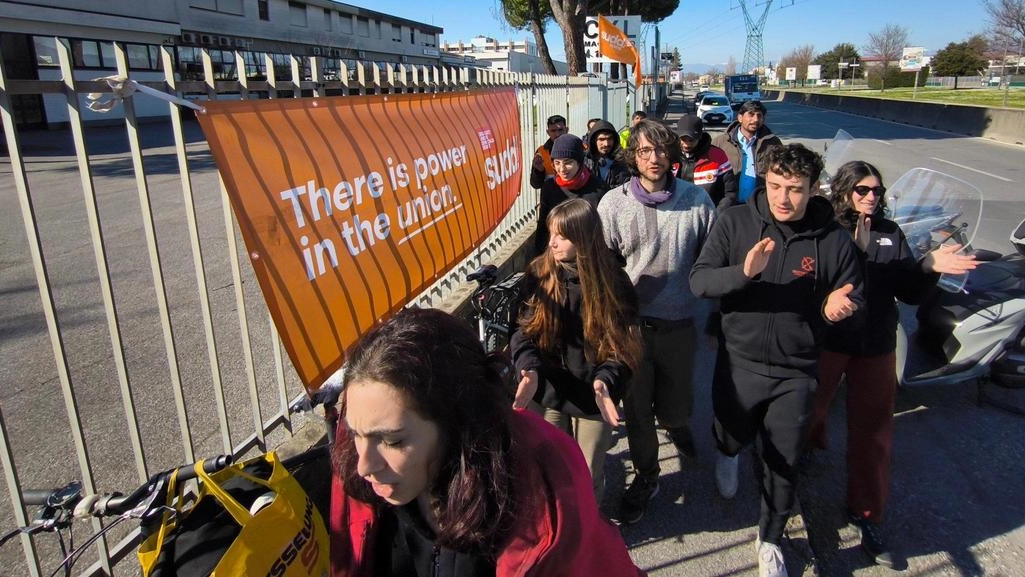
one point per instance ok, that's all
(709, 167)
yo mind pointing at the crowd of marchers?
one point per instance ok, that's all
(437, 473)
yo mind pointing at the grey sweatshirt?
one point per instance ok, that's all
(659, 244)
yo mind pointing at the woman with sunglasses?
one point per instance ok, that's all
(867, 356)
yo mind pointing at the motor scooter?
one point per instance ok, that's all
(970, 327)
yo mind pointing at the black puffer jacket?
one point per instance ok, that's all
(566, 377)
(773, 324)
(891, 272)
(618, 171)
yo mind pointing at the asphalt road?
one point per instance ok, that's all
(956, 507)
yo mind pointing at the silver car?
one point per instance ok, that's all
(715, 109)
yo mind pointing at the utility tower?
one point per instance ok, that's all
(753, 53)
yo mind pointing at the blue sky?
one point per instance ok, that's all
(710, 31)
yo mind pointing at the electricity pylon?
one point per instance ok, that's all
(753, 53)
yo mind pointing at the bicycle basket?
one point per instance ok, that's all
(252, 518)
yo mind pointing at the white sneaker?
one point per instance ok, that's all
(770, 560)
(726, 475)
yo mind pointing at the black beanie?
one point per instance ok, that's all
(568, 146)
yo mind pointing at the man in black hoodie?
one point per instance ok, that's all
(604, 155)
(783, 269)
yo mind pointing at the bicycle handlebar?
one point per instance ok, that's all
(69, 497)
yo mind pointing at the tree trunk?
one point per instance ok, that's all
(538, 28)
(570, 15)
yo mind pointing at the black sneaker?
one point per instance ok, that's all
(872, 541)
(636, 498)
(683, 440)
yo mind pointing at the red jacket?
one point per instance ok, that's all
(559, 532)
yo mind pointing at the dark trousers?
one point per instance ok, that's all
(773, 413)
(661, 387)
(871, 390)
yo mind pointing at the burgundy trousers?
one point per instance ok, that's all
(871, 389)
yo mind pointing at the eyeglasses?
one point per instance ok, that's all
(647, 150)
(863, 190)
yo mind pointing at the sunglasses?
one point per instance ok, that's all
(862, 190)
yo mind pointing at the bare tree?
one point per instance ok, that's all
(1008, 20)
(570, 15)
(798, 58)
(731, 66)
(887, 46)
(1008, 15)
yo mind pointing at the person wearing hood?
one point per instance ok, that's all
(604, 155)
(744, 141)
(578, 336)
(783, 270)
(572, 180)
(705, 164)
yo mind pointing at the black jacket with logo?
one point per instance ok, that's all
(773, 324)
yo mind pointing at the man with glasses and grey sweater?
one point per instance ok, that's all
(657, 224)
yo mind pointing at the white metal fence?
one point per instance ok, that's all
(133, 336)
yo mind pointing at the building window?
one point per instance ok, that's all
(412, 35)
(264, 10)
(143, 57)
(363, 26)
(92, 54)
(345, 24)
(327, 19)
(297, 14)
(396, 33)
(46, 50)
(225, 6)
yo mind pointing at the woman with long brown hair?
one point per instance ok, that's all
(578, 337)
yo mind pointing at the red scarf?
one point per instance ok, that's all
(577, 182)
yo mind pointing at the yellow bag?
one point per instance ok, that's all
(286, 537)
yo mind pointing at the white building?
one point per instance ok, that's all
(511, 55)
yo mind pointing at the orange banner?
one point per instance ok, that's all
(615, 45)
(349, 206)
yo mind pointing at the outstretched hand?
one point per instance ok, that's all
(609, 414)
(758, 257)
(946, 260)
(839, 305)
(525, 389)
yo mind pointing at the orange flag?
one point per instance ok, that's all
(615, 45)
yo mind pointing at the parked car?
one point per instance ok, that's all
(715, 109)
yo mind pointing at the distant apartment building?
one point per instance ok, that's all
(509, 55)
(331, 31)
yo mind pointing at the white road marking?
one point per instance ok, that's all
(972, 169)
(882, 142)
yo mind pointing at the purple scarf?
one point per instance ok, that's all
(652, 198)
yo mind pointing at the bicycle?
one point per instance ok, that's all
(495, 306)
(149, 504)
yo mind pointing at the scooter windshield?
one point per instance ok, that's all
(838, 152)
(935, 209)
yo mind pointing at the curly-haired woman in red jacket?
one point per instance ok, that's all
(435, 474)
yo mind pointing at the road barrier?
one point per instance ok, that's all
(1000, 124)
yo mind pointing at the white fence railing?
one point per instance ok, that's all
(134, 337)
